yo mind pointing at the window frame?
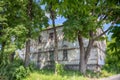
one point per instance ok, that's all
(51, 35)
(39, 39)
(65, 55)
(51, 55)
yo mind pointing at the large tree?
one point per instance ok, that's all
(36, 20)
(10, 26)
(19, 23)
(83, 19)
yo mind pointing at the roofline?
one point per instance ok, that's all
(52, 27)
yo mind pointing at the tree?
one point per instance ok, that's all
(83, 19)
(36, 21)
(51, 8)
(10, 18)
(30, 15)
(15, 23)
(52, 15)
(114, 45)
(113, 49)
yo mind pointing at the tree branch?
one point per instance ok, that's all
(97, 37)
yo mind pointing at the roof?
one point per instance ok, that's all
(49, 27)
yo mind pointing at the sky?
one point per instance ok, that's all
(58, 21)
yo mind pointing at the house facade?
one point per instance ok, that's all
(42, 50)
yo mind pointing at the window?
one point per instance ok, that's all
(39, 56)
(51, 36)
(39, 39)
(51, 55)
(65, 46)
(65, 55)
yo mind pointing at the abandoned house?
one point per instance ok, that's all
(42, 50)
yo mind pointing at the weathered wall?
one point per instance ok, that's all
(96, 56)
(40, 50)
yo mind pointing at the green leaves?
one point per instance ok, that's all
(14, 70)
(81, 16)
(80, 23)
(113, 52)
(39, 20)
(15, 23)
(115, 35)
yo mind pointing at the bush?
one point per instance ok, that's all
(105, 73)
(112, 57)
(59, 68)
(112, 68)
(14, 71)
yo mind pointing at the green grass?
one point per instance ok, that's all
(46, 74)
(49, 75)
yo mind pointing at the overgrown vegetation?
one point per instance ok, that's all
(59, 68)
(22, 20)
(49, 75)
(113, 53)
(14, 70)
(66, 75)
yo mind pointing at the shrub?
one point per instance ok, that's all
(59, 68)
(112, 57)
(105, 73)
(14, 71)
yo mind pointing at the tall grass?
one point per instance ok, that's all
(49, 75)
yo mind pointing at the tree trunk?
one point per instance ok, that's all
(27, 54)
(12, 57)
(82, 62)
(89, 47)
(84, 54)
(56, 47)
(55, 36)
